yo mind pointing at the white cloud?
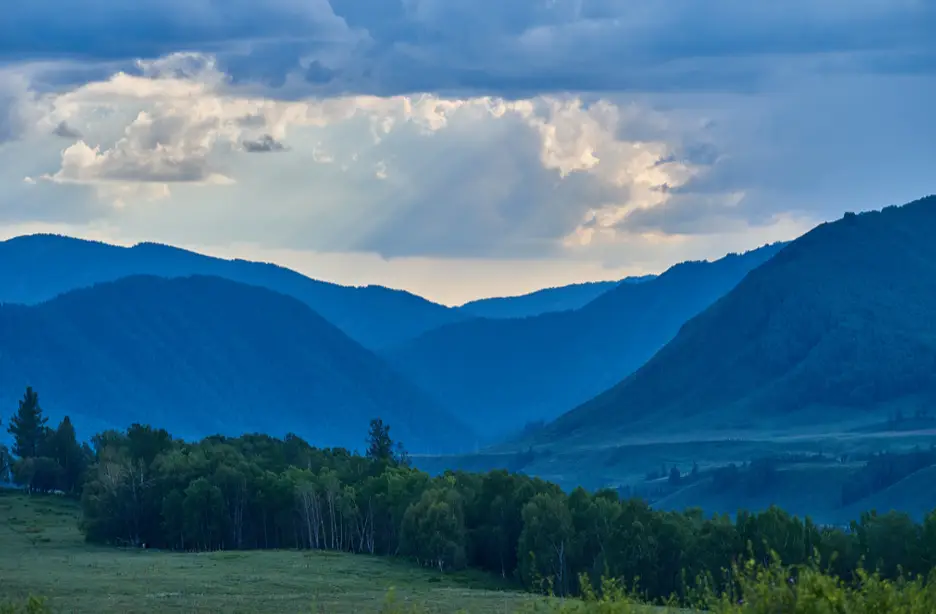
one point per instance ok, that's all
(482, 176)
(380, 170)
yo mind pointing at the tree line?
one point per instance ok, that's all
(141, 487)
(43, 459)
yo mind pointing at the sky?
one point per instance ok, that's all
(462, 148)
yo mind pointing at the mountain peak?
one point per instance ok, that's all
(36, 268)
(832, 332)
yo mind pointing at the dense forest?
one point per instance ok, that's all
(143, 488)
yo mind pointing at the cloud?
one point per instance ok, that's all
(437, 176)
(263, 144)
(8, 127)
(512, 49)
(477, 176)
(16, 105)
(604, 134)
(127, 163)
(65, 131)
(179, 120)
(109, 29)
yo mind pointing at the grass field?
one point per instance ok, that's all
(43, 554)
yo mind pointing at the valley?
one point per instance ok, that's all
(775, 386)
(462, 306)
(810, 470)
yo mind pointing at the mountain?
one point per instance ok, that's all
(834, 333)
(36, 268)
(199, 355)
(498, 375)
(562, 298)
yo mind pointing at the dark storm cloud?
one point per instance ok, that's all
(113, 29)
(511, 48)
(264, 144)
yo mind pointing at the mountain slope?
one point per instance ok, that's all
(836, 328)
(562, 298)
(912, 495)
(199, 355)
(501, 374)
(36, 268)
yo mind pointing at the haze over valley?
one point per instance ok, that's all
(772, 353)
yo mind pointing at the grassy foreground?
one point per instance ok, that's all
(42, 553)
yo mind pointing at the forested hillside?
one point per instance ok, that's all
(501, 374)
(36, 268)
(207, 355)
(562, 298)
(836, 329)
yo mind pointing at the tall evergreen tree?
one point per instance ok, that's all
(402, 457)
(6, 462)
(28, 426)
(379, 444)
(67, 452)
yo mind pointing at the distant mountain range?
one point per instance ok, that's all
(201, 355)
(36, 268)
(562, 298)
(500, 374)
(834, 332)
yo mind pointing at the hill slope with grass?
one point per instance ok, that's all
(36, 268)
(913, 494)
(836, 329)
(202, 355)
(501, 374)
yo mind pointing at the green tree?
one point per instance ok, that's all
(173, 513)
(402, 457)
(434, 529)
(203, 507)
(37, 473)
(379, 443)
(28, 427)
(68, 453)
(545, 543)
(146, 443)
(6, 461)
